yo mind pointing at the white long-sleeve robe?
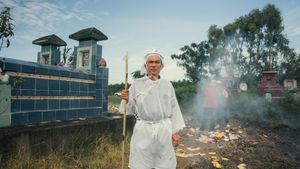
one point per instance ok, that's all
(158, 116)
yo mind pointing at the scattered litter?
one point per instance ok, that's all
(193, 130)
(218, 134)
(193, 149)
(217, 126)
(203, 138)
(224, 159)
(226, 138)
(190, 135)
(181, 154)
(211, 140)
(241, 166)
(216, 164)
(212, 153)
(233, 136)
(213, 157)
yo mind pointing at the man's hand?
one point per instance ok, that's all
(175, 139)
(125, 95)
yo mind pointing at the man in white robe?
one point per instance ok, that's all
(152, 100)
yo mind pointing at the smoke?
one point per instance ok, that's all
(209, 107)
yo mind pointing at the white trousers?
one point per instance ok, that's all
(151, 146)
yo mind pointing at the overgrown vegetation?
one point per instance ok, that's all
(285, 111)
(6, 27)
(103, 152)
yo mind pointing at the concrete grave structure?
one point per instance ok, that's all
(49, 54)
(44, 92)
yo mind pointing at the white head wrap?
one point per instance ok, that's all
(143, 69)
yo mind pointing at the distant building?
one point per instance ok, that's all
(268, 84)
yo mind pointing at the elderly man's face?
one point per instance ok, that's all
(153, 65)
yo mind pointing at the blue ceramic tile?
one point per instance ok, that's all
(26, 92)
(42, 84)
(16, 92)
(11, 80)
(53, 72)
(91, 87)
(99, 84)
(34, 117)
(74, 86)
(74, 103)
(83, 94)
(64, 73)
(74, 75)
(91, 103)
(54, 93)
(83, 103)
(82, 113)
(83, 87)
(64, 104)
(53, 85)
(41, 105)
(27, 105)
(104, 95)
(99, 72)
(91, 77)
(61, 115)
(99, 111)
(74, 93)
(72, 114)
(91, 113)
(1, 64)
(64, 85)
(15, 105)
(53, 104)
(63, 93)
(49, 116)
(104, 107)
(41, 71)
(98, 94)
(27, 69)
(91, 93)
(19, 118)
(98, 103)
(41, 92)
(28, 83)
(105, 84)
(12, 67)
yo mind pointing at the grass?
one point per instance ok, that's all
(103, 152)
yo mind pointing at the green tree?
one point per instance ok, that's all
(6, 27)
(194, 60)
(137, 74)
(251, 44)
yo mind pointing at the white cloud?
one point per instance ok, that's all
(34, 18)
(292, 22)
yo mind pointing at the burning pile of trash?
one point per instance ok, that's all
(199, 144)
(238, 144)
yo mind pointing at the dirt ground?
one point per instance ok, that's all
(241, 143)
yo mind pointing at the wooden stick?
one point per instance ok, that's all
(124, 115)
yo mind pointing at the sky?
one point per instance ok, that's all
(134, 26)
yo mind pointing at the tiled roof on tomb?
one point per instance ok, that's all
(50, 40)
(88, 33)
